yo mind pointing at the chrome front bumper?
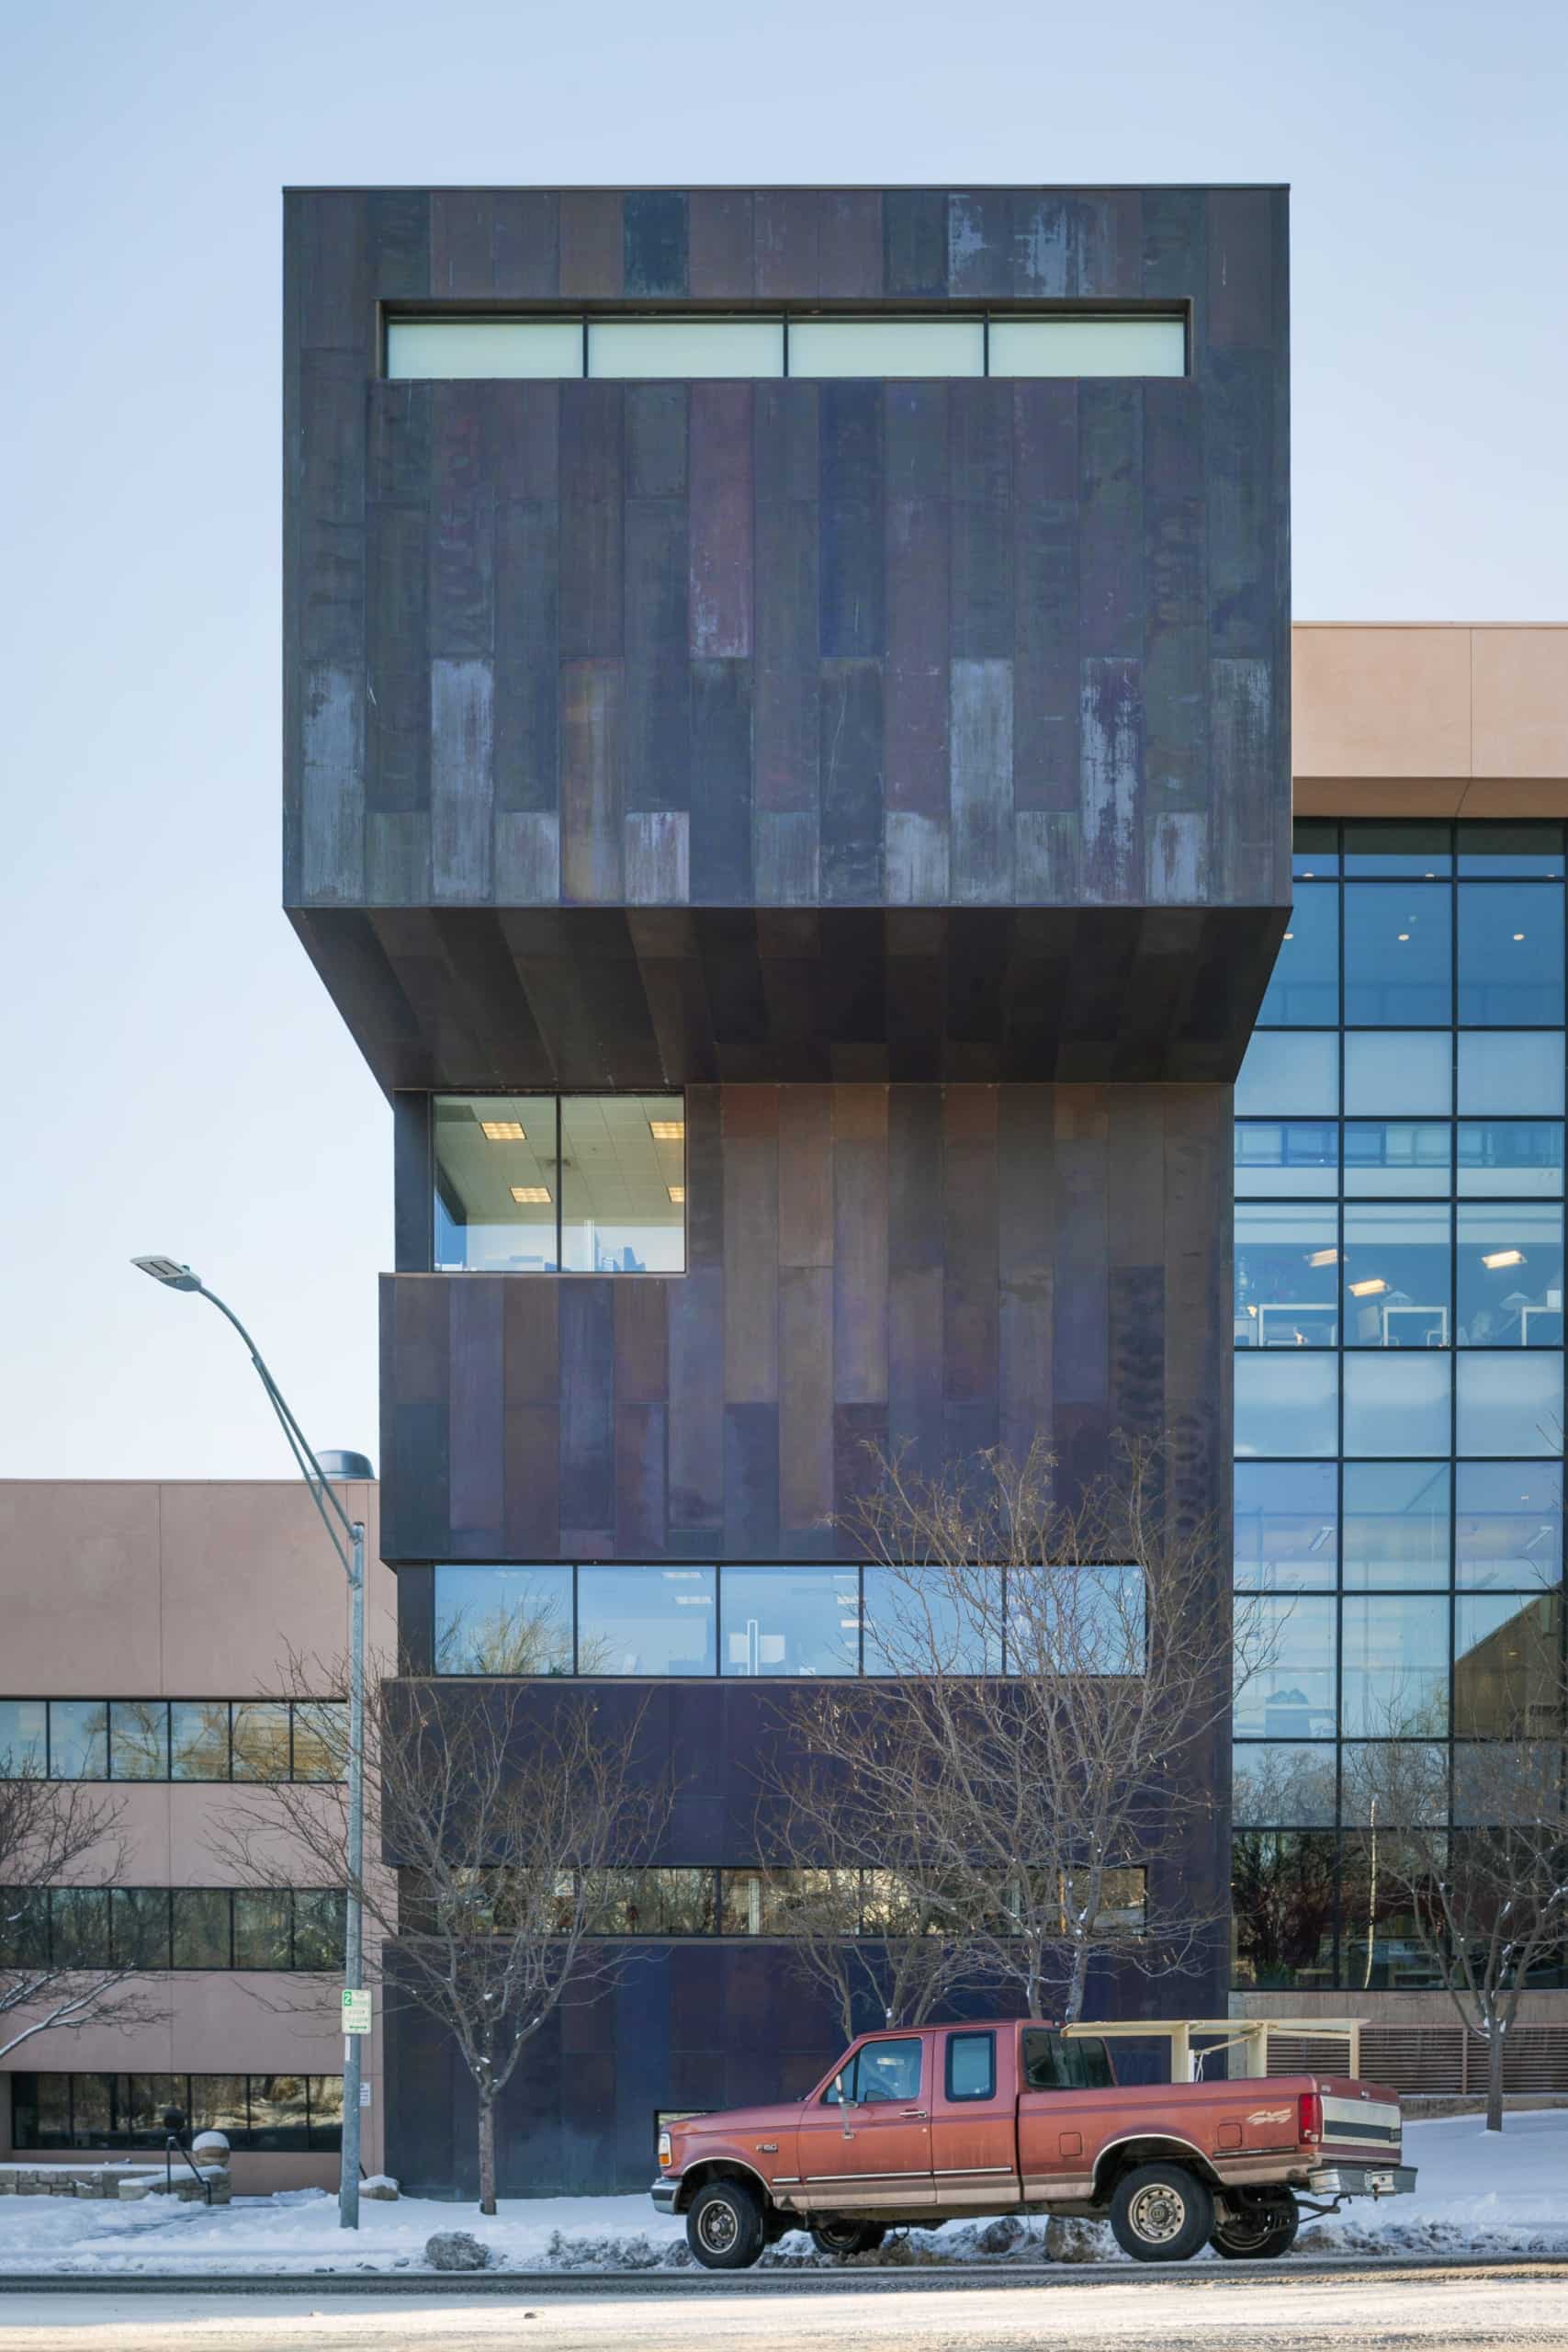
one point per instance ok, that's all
(1361, 2180)
(663, 2194)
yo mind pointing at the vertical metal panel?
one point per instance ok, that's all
(981, 458)
(806, 1396)
(979, 243)
(462, 779)
(914, 241)
(1046, 595)
(918, 568)
(850, 244)
(786, 591)
(1111, 779)
(1026, 1253)
(333, 765)
(851, 769)
(592, 488)
(721, 241)
(587, 1407)
(527, 653)
(721, 783)
(852, 599)
(982, 781)
(1111, 604)
(476, 1410)
(751, 1244)
(860, 1245)
(657, 681)
(591, 781)
(654, 226)
(593, 261)
(720, 607)
(412, 1183)
(397, 676)
(462, 524)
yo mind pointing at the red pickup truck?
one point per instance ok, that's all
(939, 2123)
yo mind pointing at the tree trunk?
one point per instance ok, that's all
(1074, 2002)
(1494, 2079)
(487, 2155)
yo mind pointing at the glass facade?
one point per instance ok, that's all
(1398, 1322)
(548, 1184)
(677, 1618)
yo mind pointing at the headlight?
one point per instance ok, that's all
(664, 2148)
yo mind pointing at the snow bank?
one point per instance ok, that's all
(1478, 2192)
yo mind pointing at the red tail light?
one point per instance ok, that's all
(1309, 2117)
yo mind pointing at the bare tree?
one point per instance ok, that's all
(507, 1814)
(59, 1846)
(882, 1942)
(1470, 1882)
(1052, 1679)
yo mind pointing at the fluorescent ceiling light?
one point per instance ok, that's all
(667, 1130)
(1495, 1258)
(523, 1193)
(678, 1194)
(1322, 1258)
(502, 1131)
(1367, 1289)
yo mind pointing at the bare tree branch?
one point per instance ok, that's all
(1051, 1682)
(58, 1835)
(505, 1812)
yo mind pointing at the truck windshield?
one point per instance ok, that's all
(1052, 2065)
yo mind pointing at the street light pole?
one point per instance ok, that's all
(351, 1554)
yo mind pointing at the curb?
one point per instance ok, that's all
(921, 2277)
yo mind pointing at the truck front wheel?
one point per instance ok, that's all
(1260, 2233)
(1162, 2214)
(725, 2227)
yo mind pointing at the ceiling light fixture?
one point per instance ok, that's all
(1496, 1257)
(1404, 934)
(524, 1194)
(667, 1130)
(502, 1131)
(1323, 1256)
(678, 1194)
(1369, 1289)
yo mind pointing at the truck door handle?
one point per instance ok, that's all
(917, 2111)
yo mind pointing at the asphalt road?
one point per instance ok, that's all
(1379, 2310)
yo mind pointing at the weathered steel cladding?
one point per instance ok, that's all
(946, 1267)
(980, 642)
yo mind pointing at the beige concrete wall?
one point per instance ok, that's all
(187, 1590)
(1430, 719)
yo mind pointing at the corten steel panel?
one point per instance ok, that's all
(978, 645)
(950, 1267)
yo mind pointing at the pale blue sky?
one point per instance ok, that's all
(179, 1081)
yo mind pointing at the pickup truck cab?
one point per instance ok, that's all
(937, 2123)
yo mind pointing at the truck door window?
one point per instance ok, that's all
(879, 2074)
(1052, 2065)
(971, 2065)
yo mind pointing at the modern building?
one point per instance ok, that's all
(147, 1629)
(786, 781)
(1399, 1305)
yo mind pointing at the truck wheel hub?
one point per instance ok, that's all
(1157, 2214)
(716, 2227)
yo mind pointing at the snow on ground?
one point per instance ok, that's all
(1478, 2192)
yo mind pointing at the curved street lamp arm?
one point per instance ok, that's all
(311, 1470)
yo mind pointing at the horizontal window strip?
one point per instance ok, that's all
(173, 1739)
(180, 1929)
(256, 2113)
(882, 346)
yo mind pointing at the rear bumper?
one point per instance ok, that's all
(663, 2193)
(1361, 2180)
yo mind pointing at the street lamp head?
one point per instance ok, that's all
(337, 1464)
(169, 1271)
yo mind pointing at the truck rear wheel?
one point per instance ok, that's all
(724, 2225)
(1260, 2233)
(844, 2238)
(1162, 2214)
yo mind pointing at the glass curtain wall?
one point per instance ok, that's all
(1398, 1320)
